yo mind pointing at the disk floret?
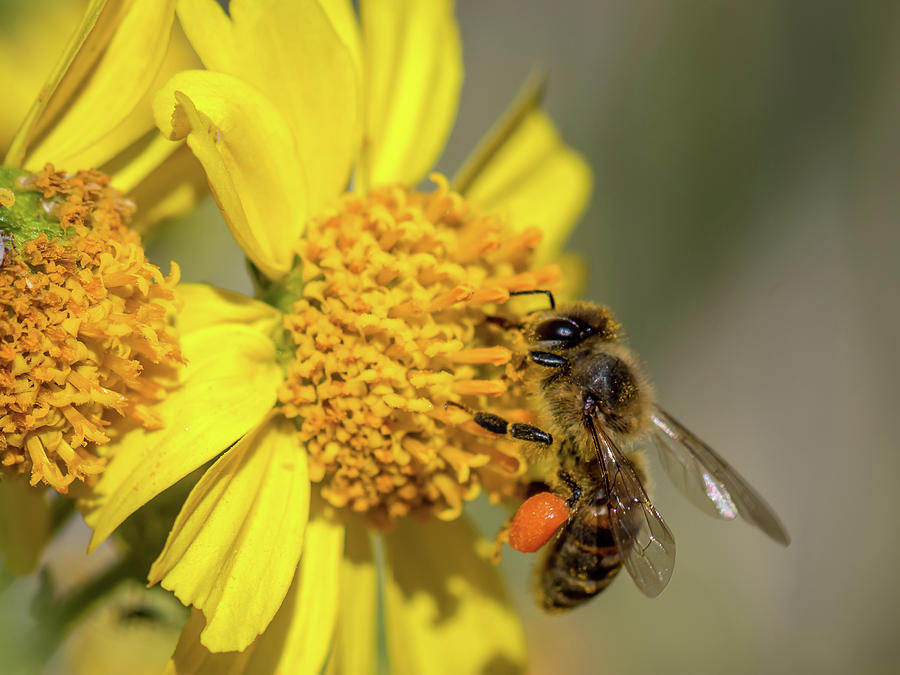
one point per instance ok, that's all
(85, 325)
(390, 327)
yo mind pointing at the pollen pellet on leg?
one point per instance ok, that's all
(536, 521)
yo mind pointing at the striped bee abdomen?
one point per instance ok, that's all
(582, 560)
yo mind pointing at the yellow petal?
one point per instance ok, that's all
(234, 547)
(103, 116)
(524, 171)
(163, 178)
(205, 306)
(298, 639)
(30, 44)
(249, 156)
(300, 55)
(309, 635)
(356, 638)
(24, 525)
(165, 181)
(413, 75)
(84, 47)
(227, 388)
(445, 607)
(192, 658)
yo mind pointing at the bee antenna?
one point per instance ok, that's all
(533, 292)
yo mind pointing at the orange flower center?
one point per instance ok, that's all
(391, 326)
(84, 334)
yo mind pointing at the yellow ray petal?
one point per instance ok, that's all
(309, 636)
(24, 525)
(303, 56)
(165, 181)
(32, 36)
(445, 607)
(524, 171)
(84, 47)
(356, 638)
(298, 639)
(234, 547)
(103, 116)
(192, 658)
(206, 306)
(249, 156)
(413, 75)
(228, 386)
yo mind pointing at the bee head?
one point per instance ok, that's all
(613, 378)
(570, 326)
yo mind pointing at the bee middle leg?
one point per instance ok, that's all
(498, 425)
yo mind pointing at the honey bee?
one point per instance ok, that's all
(598, 407)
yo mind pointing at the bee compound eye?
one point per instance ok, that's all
(567, 331)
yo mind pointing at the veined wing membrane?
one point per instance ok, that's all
(708, 480)
(642, 537)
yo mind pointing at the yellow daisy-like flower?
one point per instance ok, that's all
(334, 397)
(84, 337)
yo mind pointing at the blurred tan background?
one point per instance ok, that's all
(745, 228)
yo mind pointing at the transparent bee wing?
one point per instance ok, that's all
(708, 480)
(642, 537)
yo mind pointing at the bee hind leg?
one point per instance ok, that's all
(574, 488)
(533, 488)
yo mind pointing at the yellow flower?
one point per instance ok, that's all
(84, 337)
(372, 325)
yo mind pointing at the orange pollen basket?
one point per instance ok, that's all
(391, 327)
(85, 333)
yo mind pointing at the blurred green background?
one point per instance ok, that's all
(744, 228)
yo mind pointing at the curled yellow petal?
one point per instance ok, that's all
(303, 56)
(413, 75)
(228, 386)
(234, 547)
(445, 607)
(250, 159)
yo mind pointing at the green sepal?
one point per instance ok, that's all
(27, 218)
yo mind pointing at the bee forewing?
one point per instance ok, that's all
(644, 541)
(708, 480)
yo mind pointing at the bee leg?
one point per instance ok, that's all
(501, 538)
(574, 488)
(518, 430)
(530, 490)
(549, 360)
(498, 425)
